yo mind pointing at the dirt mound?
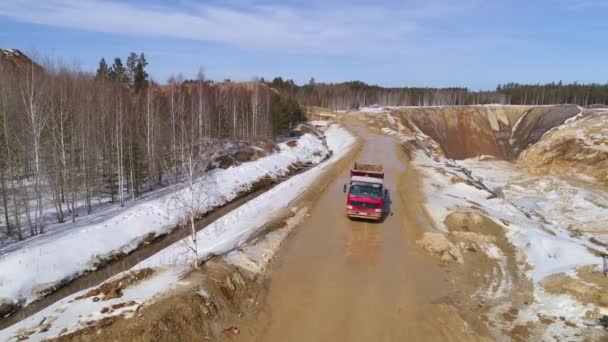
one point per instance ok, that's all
(7, 306)
(577, 147)
(188, 314)
(438, 244)
(473, 222)
(471, 131)
(590, 285)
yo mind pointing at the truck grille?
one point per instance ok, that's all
(364, 205)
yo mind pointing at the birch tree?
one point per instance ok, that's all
(32, 96)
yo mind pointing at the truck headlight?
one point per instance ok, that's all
(378, 210)
(349, 207)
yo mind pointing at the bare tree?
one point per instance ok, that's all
(32, 96)
(194, 193)
(119, 148)
(80, 136)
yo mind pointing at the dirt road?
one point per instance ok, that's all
(337, 279)
(332, 280)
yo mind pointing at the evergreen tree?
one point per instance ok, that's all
(138, 169)
(118, 73)
(110, 178)
(103, 71)
(132, 61)
(140, 76)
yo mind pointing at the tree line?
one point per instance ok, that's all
(71, 139)
(355, 94)
(555, 93)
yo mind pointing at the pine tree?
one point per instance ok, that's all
(138, 169)
(118, 73)
(103, 72)
(110, 178)
(140, 76)
(132, 62)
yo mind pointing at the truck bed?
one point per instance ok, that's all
(368, 167)
(367, 170)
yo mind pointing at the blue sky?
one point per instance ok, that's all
(472, 43)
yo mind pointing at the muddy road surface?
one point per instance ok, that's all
(342, 280)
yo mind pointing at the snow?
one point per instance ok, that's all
(239, 226)
(548, 304)
(372, 110)
(59, 257)
(535, 228)
(10, 52)
(231, 235)
(550, 221)
(540, 209)
(570, 203)
(547, 246)
(319, 123)
(254, 257)
(72, 314)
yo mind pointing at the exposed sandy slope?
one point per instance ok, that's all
(470, 131)
(578, 147)
(14, 59)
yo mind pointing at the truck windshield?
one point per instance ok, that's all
(366, 190)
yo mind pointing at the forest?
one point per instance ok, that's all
(70, 139)
(355, 94)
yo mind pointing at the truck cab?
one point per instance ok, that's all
(365, 191)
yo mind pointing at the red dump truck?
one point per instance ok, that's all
(365, 192)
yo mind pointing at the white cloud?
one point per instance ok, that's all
(336, 29)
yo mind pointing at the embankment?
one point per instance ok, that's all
(470, 131)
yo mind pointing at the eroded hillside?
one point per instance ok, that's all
(470, 131)
(579, 146)
(14, 59)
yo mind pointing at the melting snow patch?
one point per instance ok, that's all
(239, 226)
(71, 313)
(52, 260)
(536, 216)
(224, 235)
(254, 257)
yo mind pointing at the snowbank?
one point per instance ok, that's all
(535, 221)
(372, 110)
(223, 236)
(540, 210)
(547, 246)
(239, 226)
(549, 220)
(73, 313)
(319, 123)
(28, 272)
